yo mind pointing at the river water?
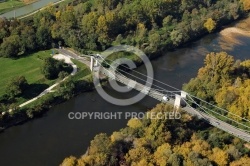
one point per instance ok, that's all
(27, 9)
(48, 140)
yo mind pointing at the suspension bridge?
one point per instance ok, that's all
(212, 114)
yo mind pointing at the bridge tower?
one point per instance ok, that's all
(179, 98)
(92, 65)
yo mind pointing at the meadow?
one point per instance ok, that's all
(28, 66)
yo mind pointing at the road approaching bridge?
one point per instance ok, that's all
(170, 97)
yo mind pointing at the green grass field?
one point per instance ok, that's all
(83, 73)
(9, 5)
(82, 70)
(27, 66)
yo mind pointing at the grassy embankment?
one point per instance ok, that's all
(29, 67)
(9, 5)
(83, 74)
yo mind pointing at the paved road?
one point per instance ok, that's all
(84, 58)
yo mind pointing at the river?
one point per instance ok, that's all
(48, 140)
(28, 8)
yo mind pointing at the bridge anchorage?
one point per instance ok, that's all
(179, 99)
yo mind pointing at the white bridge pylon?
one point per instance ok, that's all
(179, 98)
(92, 65)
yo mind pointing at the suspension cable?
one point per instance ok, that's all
(220, 108)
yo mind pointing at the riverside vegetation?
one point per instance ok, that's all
(27, 80)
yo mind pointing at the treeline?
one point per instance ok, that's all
(224, 82)
(162, 142)
(85, 25)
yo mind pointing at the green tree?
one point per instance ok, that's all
(11, 46)
(16, 86)
(51, 68)
(43, 37)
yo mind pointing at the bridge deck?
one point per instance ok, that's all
(159, 96)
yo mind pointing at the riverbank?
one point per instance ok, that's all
(41, 9)
(30, 8)
(11, 5)
(81, 80)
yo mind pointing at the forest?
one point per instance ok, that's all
(149, 142)
(225, 82)
(151, 25)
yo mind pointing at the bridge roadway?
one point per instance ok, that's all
(159, 96)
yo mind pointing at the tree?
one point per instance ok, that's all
(51, 68)
(99, 151)
(70, 161)
(167, 21)
(134, 123)
(175, 160)
(162, 154)
(136, 155)
(176, 37)
(154, 39)
(63, 74)
(11, 46)
(212, 76)
(242, 161)
(66, 89)
(100, 144)
(43, 37)
(28, 37)
(16, 86)
(246, 4)
(219, 156)
(210, 25)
